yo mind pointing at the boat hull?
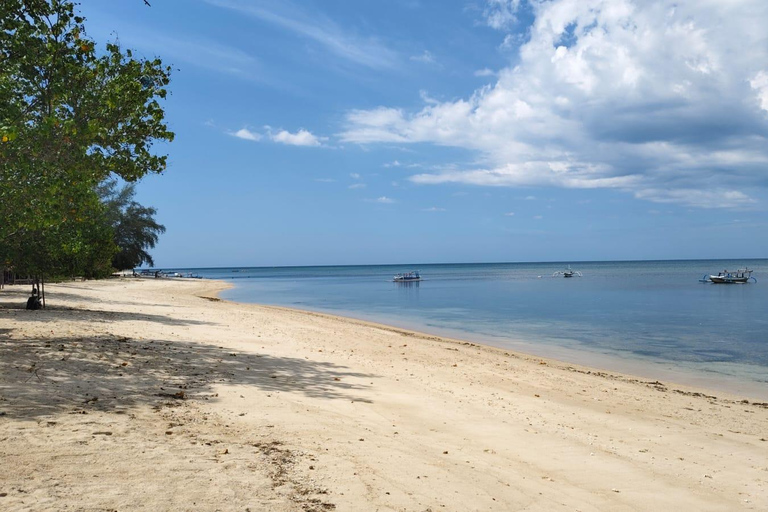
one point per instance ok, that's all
(728, 280)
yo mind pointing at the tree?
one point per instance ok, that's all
(70, 117)
(134, 226)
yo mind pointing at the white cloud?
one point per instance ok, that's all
(384, 200)
(760, 84)
(354, 175)
(300, 138)
(509, 214)
(317, 27)
(203, 53)
(434, 209)
(485, 72)
(394, 163)
(426, 98)
(325, 180)
(538, 217)
(246, 134)
(639, 96)
(501, 14)
(698, 198)
(426, 57)
(356, 186)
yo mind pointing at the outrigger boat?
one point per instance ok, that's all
(740, 276)
(567, 272)
(407, 277)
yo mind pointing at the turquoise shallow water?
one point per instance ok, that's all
(650, 318)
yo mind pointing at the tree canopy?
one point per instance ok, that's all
(134, 225)
(71, 117)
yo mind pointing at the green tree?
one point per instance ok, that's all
(81, 248)
(70, 117)
(134, 226)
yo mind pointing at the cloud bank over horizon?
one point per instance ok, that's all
(665, 100)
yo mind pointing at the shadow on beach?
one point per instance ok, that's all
(42, 376)
(14, 301)
(54, 313)
(15, 298)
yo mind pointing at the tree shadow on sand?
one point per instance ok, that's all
(53, 314)
(17, 299)
(43, 376)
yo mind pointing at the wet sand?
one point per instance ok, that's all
(143, 394)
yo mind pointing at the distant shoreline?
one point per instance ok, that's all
(543, 262)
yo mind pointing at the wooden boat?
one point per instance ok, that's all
(740, 276)
(568, 272)
(407, 277)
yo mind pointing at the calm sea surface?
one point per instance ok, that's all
(651, 318)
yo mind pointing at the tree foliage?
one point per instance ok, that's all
(70, 117)
(134, 226)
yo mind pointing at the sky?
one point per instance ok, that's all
(337, 132)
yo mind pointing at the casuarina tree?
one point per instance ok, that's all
(134, 226)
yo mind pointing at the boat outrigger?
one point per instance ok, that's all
(740, 276)
(407, 277)
(567, 272)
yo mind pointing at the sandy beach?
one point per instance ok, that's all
(150, 394)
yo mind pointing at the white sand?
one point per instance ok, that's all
(141, 395)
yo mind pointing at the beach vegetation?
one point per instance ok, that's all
(134, 226)
(72, 115)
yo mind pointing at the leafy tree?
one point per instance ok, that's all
(70, 117)
(134, 225)
(83, 248)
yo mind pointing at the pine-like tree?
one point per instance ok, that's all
(134, 225)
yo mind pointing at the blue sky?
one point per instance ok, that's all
(413, 131)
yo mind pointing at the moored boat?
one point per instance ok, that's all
(568, 272)
(740, 276)
(407, 277)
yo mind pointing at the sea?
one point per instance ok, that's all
(652, 319)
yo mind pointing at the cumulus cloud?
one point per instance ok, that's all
(501, 14)
(300, 138)
(664, 99)
(760, 84)
(384, 200)
(246, 134)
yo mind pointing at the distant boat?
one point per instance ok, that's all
(567, 272)
(407, 277)
(740, 276)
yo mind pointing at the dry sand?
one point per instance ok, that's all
(154, 395)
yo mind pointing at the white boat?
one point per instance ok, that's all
(407, 277)
(568, 272)
(740, 276)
